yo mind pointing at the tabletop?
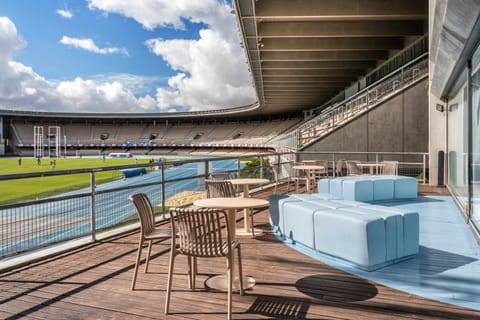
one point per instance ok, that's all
(249, 181)
(308, 167)
(231, 203)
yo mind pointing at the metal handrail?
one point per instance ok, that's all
(341, 113)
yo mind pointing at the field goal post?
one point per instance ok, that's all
(87, 152)
(38, 141)
(53, 141)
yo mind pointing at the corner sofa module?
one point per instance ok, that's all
(357, 238)
(366, 235)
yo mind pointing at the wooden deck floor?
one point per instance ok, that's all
(94, 283)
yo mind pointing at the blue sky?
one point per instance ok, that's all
(121, 56)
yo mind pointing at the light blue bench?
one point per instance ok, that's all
(366, 235)
(370, 188)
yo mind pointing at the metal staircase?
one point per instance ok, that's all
(339, 114)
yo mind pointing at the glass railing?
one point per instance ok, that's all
(89, 204)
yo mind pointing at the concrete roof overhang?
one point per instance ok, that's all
(302, 53)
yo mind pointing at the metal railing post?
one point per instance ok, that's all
(238, 168)
(92, 205)
(334, 166)
(207, 169)
(162, 184)
(424, 168)
(261, 166)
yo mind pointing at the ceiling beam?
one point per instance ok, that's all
(323, 55)
(342, 9)
(384, 28)
(320, 44)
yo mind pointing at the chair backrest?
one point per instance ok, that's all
(324, 164)
(276, 175)
(200, 232)
(220, 189)
(390, 167)
(145, 212)
(339, 167)
(353, 168)
(219, 176)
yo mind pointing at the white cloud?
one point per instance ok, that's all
(65, 13)
(24, 89)
(10, 40)
(159, 13)
(89, 45)
(212, 71)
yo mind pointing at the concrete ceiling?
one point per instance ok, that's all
(302, 53)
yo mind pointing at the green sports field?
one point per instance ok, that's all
(27, 189)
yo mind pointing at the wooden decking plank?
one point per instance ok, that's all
(95, 282)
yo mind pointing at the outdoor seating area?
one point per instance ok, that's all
(94, 281)
(369, 236)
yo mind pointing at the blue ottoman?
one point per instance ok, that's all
(393, 230)
(298, 219)
(357, 238)
(411, 229)
(324, 185)
(383, 189)
(357, 190)
(405, 187)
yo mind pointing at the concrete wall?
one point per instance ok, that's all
(398, 125)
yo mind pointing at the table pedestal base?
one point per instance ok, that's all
(220, 283)
(244, 232)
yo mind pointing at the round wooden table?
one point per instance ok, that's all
(230, 204)
(245, 183)
(309, 168)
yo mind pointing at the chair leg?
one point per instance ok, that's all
(192, 272)
(251, 223)
(137, 262)
(240, 270)
(148, 255)
(229, 293)
(169, 281)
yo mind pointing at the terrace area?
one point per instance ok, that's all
(94, 281)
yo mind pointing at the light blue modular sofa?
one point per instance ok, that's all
(367, 235)
(370, 188)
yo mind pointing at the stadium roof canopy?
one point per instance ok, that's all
(302, 53)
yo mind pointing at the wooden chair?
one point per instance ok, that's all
(339, 167)
(297, 176)
(321, 173)
(353, 169)
(148, 231)
(225, 189)
(389, 168)
(201, 234)
(220, 189)
(219, 176)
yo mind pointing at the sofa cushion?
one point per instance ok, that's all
(353, 237)
(357, 190)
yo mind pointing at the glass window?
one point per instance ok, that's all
(457, 141)
(476, 137)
